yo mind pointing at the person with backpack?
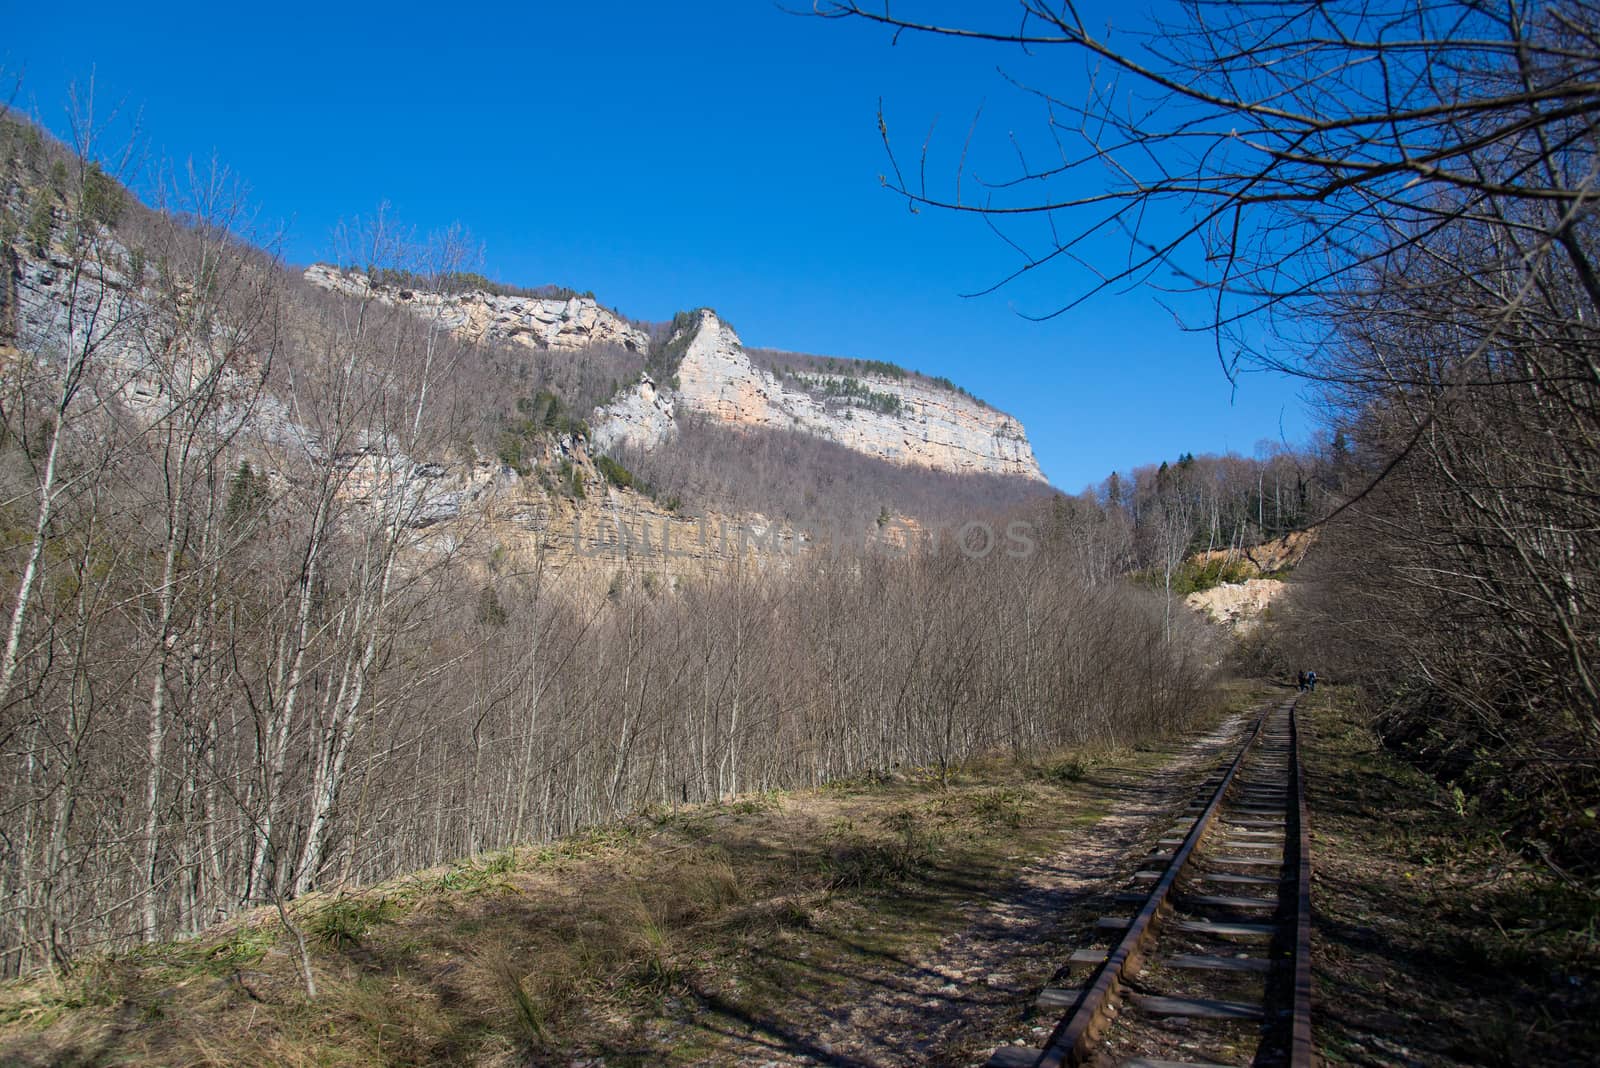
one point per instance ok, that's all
(1311, 681)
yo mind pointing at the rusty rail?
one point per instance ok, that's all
(1076, 1034)
(1302, 1053)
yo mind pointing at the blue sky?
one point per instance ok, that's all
(666, 156)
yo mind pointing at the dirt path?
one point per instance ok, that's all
(969, 994)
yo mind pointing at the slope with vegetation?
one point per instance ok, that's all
(1410, 228)
(763, 926)
(284, 572)
(1439, 940)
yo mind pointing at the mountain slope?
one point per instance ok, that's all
(566, 322)
(896, 417)
(701, 367)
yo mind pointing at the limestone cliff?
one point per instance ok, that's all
(907, 420)
(536, 322)
(559, 509)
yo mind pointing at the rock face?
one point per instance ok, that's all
(104, 312)
(562, 511)
(532, 321)
(902, 420)
(644, 414)
(1279, 554)
(1238, 605)
(47, 289)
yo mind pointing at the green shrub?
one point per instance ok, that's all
(851, 390)
(491, 613)
(1068, 771)
(345, 922)
(865, 864)
(668, 348)
(526, 1008)
(512, 450)
(881, 367)
(246, 946)
(571, 480)
(613, 472)
(1191, 577)
(477, 876)
(249, 494)
(765, 801)
(944, 383)
(999, 806)
(104, 199)
(541, 414)
(41, 222)
(464, 282)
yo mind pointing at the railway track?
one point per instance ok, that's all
(1212, 965)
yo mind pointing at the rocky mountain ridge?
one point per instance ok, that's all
(475, 314)
(904, 420)
(562, 513)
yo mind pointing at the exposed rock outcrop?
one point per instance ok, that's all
(536, 322)
(1279, 554)
(47, 289)
(903, 420)
(558, 509)
(642, 415)
(62, 308)
(907, 420)
(1238, 605)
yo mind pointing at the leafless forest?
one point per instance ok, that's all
(1395, 201)
(242, 661)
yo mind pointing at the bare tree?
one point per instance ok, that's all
(257, 629)
(70, 225)
(1261, 154)
(205, 346)
(1396, 201)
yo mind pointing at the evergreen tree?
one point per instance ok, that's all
(248, 494)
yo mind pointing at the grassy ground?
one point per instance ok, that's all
(707, 933)
(726, 933)
(1436, 943)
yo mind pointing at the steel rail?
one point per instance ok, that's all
(1302, 1054)
(1074, 1036)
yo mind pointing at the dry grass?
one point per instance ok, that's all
(1435, 943)
(676, 936)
